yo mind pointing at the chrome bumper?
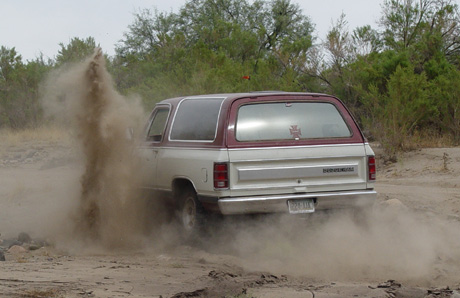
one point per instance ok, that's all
(278, 203)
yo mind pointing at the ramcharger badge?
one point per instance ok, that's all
(338, 170)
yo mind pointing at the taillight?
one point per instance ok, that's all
(220, 175)
(371, 168)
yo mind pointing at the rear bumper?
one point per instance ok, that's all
(278, 203)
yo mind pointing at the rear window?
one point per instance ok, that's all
(288, 120)
(196, 119)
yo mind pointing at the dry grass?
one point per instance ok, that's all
(48, 293)
(52, 134)
(22, 260)
(418, 140)
(429, 139)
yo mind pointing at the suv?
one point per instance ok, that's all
(265, 152)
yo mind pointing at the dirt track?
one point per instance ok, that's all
(417, 244)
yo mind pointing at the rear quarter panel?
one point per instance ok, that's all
(193, 164)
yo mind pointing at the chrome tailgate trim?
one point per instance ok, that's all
(297, 172)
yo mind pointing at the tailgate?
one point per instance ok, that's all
(293, 143)
(302, 169)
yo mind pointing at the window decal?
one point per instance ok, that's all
(295, 131)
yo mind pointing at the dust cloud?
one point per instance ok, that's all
(82, 96)
(392, 243)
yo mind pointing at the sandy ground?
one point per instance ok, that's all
(408, 247)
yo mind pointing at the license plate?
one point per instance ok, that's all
(301, 206)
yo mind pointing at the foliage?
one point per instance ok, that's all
(400, 79)
(19, 105)
(399, 111)
(20, 82)
(210, 45)
(446, 94)
(77, 50)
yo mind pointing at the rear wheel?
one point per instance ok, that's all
(190, 214)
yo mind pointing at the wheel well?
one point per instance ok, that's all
(180, 185)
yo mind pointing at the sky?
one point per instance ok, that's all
(33, 27)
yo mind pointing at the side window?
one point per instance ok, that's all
(158, 124)
(196, 119)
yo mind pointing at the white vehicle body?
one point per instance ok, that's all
(243, 165)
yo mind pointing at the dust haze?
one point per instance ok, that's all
(393, 243)
(83, 97)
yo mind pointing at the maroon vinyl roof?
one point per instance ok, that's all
(226, 123)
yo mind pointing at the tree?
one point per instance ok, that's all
(396, 114)
(445, 27)
(403, 21)
(77, 50)
(11, 71)
(211, 44)
(149, 32)
(426, 26)
(339, 45)
(19, 84)
(366, 41)
(446, 93)
(10, 64)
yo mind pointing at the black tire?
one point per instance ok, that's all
(190, 214)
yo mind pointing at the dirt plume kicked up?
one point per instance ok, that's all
(83, 96)
(391, 244)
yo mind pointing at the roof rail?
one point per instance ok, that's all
(268, 91)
